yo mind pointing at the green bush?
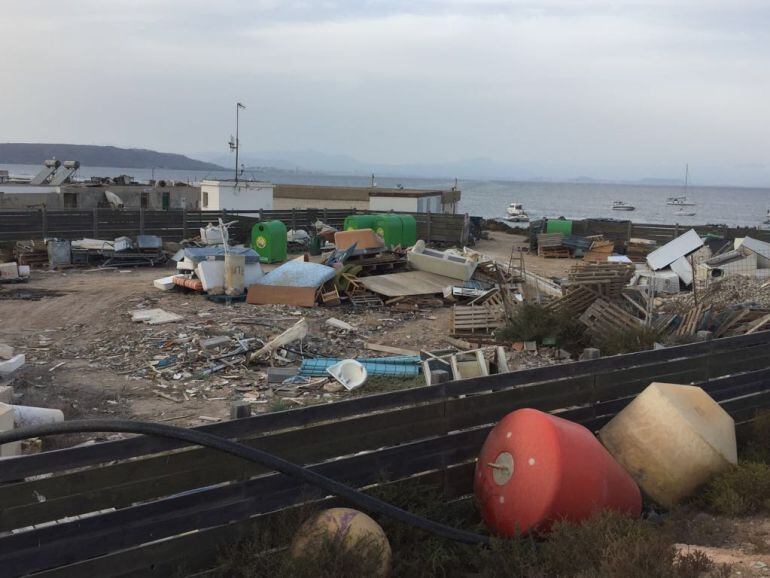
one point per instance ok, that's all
(757, 448)
(628, 341)
(533, 322)
(742, 490)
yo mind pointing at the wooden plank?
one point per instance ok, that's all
(407, 283)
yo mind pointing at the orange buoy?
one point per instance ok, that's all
(535, 469)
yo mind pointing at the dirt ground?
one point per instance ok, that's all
(500, 244)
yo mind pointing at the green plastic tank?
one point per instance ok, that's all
(559, 226)
(355, 222)
(268, 238)
(390, 228)
(408, 230)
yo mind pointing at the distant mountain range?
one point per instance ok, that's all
(99, 156)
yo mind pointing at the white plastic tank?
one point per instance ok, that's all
(672, 439)
(235, 266)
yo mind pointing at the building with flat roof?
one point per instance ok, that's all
(234, 195)
(289, 196)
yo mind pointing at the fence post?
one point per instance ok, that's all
(326, 216)
(184, 222)
(466, 231)
(261, 217)
(141, 220)
(676, 230)
(44, 222)
(428, 229)
(96, 222)
(630, 231)
(294, 219)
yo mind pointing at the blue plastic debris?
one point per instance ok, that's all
(404, 366)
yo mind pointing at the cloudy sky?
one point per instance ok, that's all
(552, 88)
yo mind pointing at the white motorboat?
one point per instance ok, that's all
(516, 213)
(682, 200)
(765, 225)
(684, 213)
(622, 206)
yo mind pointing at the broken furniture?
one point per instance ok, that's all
(293, 283)
(442, 263)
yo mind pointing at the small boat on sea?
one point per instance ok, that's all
(684, 213)
(516, 213)
(682, 200)
(765, 225)
(622, 206)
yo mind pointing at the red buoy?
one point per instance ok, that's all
(535, 469)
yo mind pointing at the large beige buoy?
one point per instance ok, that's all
(672, 439)
(351, 526)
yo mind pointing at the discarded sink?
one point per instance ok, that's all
(350, 373)
(671, 439)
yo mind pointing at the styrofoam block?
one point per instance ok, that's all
(252, 273)
(9, 366)
(24, 270)
(212, 275)
(185, 265)
(9, 271)
(164, 283)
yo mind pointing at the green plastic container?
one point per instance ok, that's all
(559, 226)
(408, 230)
(269, 240)
(390, 228)
(355, 222)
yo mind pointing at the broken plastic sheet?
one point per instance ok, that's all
(401, 366)
(198, 254)
(298, 274)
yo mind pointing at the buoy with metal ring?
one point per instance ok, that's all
(535, 469)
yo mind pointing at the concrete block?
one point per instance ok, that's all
(279, 374)
(24, 270)
(704, 336)
(9, 366)
(240, 410)
(212, 275)
(9, 271)
(590, 353)
(7, 424)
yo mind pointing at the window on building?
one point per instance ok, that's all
(145, 200)
(205, 200)
(70, 200)
(166, 200)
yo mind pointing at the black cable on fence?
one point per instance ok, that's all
(355, 497)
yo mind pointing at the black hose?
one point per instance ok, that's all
(261, 457)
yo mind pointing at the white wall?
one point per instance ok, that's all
(245, 195)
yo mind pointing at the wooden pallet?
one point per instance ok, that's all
(366, 300)
(473, 319)
(605, 317)
(575, 302)
(690, 321)
(553, 252)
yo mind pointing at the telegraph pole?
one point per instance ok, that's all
(237, 144)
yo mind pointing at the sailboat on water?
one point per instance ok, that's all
(682, 201)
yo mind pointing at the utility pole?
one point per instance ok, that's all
(235, 144)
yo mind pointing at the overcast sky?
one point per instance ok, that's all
(617, 89)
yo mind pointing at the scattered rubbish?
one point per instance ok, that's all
(296, 332)
(469, 364)
(673, 250)
(12, 364)
(390, 349)
(6, 351)
(671, 439)
(407, 284)
(194, 284)
(280, 374)
(339, 324)
(361, 239)
(214, 342)
(349, 372)
(212, 276)
(154, 316)
(559, 466)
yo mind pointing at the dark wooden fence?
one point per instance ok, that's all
(147, 506)
(175, 225)
(621, 231)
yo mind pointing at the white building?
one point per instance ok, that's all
(406, 201)
(233, 196)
